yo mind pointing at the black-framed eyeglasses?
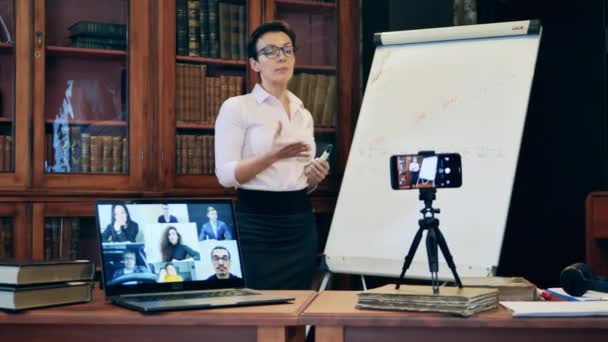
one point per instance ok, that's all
(224, 258)
(273, 51)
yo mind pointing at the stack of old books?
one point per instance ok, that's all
(98, 35)
(452, 300)
(28, 285)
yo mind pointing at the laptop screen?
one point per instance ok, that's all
(160, 245)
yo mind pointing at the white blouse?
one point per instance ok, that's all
(246, 127)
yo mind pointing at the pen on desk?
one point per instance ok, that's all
(545, 295)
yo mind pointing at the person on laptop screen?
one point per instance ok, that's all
(168, 274)
(265, 147)
(165, 216)
(122, 228)
(129, 266)
(214, 229)
(172, 248)
(220, 258)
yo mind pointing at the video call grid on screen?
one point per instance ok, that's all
(135, 253)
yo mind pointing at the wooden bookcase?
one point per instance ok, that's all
(131, 92)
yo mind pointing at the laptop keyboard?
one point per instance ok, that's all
(198, 295)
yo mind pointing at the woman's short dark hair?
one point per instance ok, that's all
(273, 26)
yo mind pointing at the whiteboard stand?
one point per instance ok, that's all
(461, 89)
(327, 275)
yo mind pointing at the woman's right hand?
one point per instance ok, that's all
(280, 151)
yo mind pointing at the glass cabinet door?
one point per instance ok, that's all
(7, 83)
(205, 61)
(15, 54)
(315, 78)
(88, 113)
(65, 230)
(13, 231)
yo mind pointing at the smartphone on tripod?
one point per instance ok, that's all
(419, 171)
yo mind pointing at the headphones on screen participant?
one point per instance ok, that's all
(578, 278)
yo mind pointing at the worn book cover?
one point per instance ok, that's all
(463, 302)
(16, 272)
(509, 288)
(37, 296)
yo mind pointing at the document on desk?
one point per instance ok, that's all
(557, 309)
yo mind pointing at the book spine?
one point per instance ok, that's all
(225, 36)
(75, 238)
(116, 154)
(234, 30)
(194, 33)
(181, 19)
(204, 28)
(242, 22)
(75, 148)
(8, 153)
(125, 155)
(214, 49)
(85, 152)
(178, 154)
(2, 164)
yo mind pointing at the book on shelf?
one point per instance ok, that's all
(98, 29)
(6, 237)
(181, 32)
(91, 153)
(214, 44)
(98, 35)
(195, 154)
(509, 288)
(6, 150)
(199, 96)
(17, 298)
(452, 300)
(211, 28)
(61, 238)
(194, 28)
(318, 92)
(16, 272)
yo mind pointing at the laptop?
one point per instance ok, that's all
(160, 255)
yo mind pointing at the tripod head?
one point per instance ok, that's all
(427, 195)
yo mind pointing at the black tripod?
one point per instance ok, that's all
(434, 238)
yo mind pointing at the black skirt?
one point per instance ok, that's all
(278, 239)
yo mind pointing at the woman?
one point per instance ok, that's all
(264, 146)
(168, 274)
(172, 248)
(122, 228)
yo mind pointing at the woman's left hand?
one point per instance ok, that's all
(316, 171)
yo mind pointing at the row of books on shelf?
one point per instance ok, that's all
(211, 28)
(61, 238)
(36, 284)
(318, 92)
(88, 153)
(6, 237)
(195, 154)
(98, 35)
(198, 97)
(6, 152)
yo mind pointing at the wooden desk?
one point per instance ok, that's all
(101, 321)
(336, 320)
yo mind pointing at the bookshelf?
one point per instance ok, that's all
(133, 92)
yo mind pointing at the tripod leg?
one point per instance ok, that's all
(433, 256)
(448, 256)
(410, 256)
